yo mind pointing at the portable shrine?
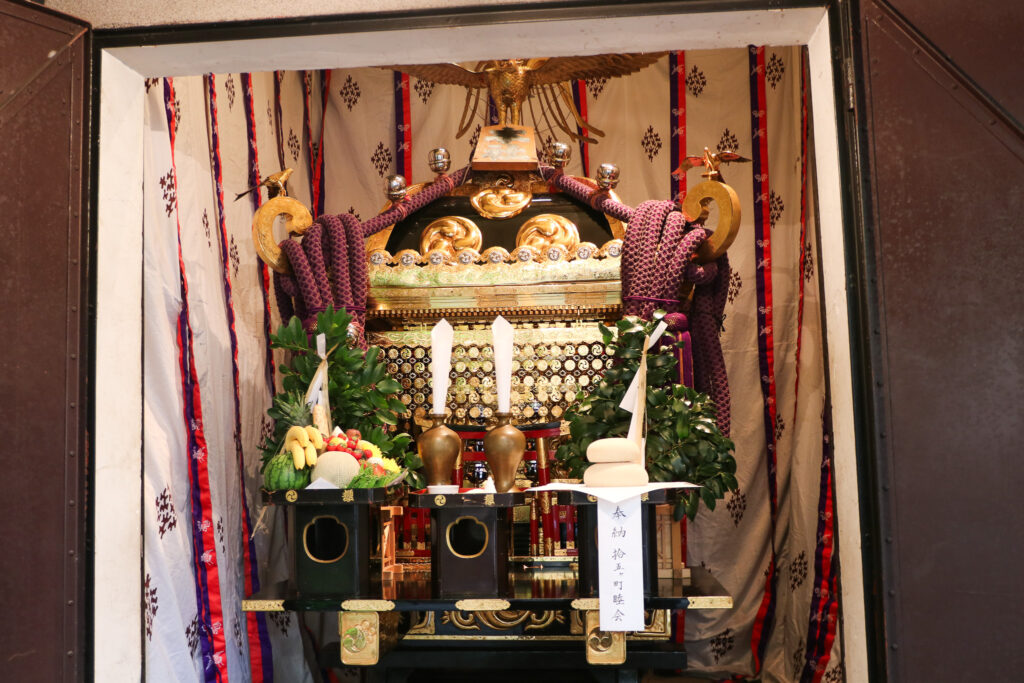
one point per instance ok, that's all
(540, 240)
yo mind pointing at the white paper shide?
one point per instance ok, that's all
(441, 338)
(502, 333)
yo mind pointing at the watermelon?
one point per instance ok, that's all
(280, 474)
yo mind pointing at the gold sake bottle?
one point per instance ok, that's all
(504, 446)
(439, 448)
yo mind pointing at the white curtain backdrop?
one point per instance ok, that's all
(771, 544)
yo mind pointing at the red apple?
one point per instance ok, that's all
(353, 434)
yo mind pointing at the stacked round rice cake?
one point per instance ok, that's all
(616, 462)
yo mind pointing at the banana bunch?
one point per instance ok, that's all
(303, 443)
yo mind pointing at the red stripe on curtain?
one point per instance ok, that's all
(260, 661)
(765, 340)
(579, 91)
(677, 121)
(677, 190)
(403, 127)
(204, 548)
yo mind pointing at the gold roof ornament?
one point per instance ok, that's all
(710, 161)
(511, 83)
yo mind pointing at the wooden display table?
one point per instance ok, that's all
(391, 630)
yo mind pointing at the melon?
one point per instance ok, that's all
(337, 467)
(281, 475)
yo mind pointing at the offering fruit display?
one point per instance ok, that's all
(347, 386)
(343, 459)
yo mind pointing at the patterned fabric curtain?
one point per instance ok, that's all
(209, 373)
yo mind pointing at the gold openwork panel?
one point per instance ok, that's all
(550, 366)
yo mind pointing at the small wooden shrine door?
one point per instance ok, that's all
(44, 118)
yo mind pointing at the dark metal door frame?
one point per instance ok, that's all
(45, 118)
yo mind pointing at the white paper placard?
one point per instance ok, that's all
(620, 544)
(620, 540)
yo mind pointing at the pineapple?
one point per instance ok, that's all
(289, 410)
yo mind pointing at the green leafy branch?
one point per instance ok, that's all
(362, 395)
(684, 442)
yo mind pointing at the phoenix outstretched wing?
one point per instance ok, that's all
(560, 69)
(451, 74)
(728, 156)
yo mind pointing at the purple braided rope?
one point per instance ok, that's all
(337, 248)
(701, 274)
(313, 288)
(631, 257)
(585, 193)
(312, 245)
(310, 292)
(357, 262)
(284, 300)
(289, 286)
(357, 276)
(669, 262)
(640, 258)
(708, 362)
(657, 258)
(437, 189)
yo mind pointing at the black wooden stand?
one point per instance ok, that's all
(331, 534)
(470, 535)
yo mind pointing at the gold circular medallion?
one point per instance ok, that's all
(548, 230)
(450, 234)
(291, 496)
(439, 501)
(500, 202)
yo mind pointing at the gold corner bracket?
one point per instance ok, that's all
(604, 647)
(365, 636)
